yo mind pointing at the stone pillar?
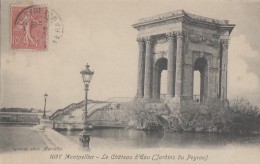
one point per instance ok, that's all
(148, 69)
(224, 64)
(210, 82)
(141, 62)
(179, 65)
(171, 65)
(202, 85)
(206, 83)
(156, 82)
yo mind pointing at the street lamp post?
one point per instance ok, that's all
(84, 136)
(44, 112)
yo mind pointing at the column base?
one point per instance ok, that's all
(174, 103)
(147, 97)
(139, 97)
(177, 99)
(84, 138)
(168, 98)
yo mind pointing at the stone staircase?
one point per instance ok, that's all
(73, 112)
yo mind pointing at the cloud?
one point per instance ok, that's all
(241, 81)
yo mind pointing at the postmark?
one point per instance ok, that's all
(55, 27)
(29, 27)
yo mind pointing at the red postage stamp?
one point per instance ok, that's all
(29, 27)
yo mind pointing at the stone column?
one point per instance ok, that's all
(156, 83)
(224, 64)
(179, 64)
(148, 69)
(202, 85)
(141, 62)
(171, 65)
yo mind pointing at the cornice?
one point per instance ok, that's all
(181, 15)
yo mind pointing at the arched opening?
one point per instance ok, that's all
(200, 75)
(196, 85)
(163, 86)
(160, 78)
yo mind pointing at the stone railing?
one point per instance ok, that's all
(61, 112)
(163, 96)
(181, 13)
(67, 125)
(161, 16)
(196, 98)
(206, 19)
(67, 109)
(93, 123)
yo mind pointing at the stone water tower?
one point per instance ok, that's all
(182, 43)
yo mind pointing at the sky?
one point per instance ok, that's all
(100, 33)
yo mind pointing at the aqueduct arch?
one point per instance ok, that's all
(186, 43)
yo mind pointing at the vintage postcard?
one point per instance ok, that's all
(134, 81)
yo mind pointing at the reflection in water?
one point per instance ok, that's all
(122, 138)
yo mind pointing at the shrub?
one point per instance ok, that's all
(212, 116)
(220, 115)
(188, 114)
(245, 116)
(139, 113)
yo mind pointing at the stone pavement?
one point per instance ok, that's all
(22, 138)
(16, 138)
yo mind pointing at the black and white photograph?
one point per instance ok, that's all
(130, 81)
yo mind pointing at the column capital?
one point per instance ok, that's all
(179, 34)
(224, 42)
(148, 40)
(170, 36)
(140, 40)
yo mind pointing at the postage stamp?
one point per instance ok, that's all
(29, 27)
